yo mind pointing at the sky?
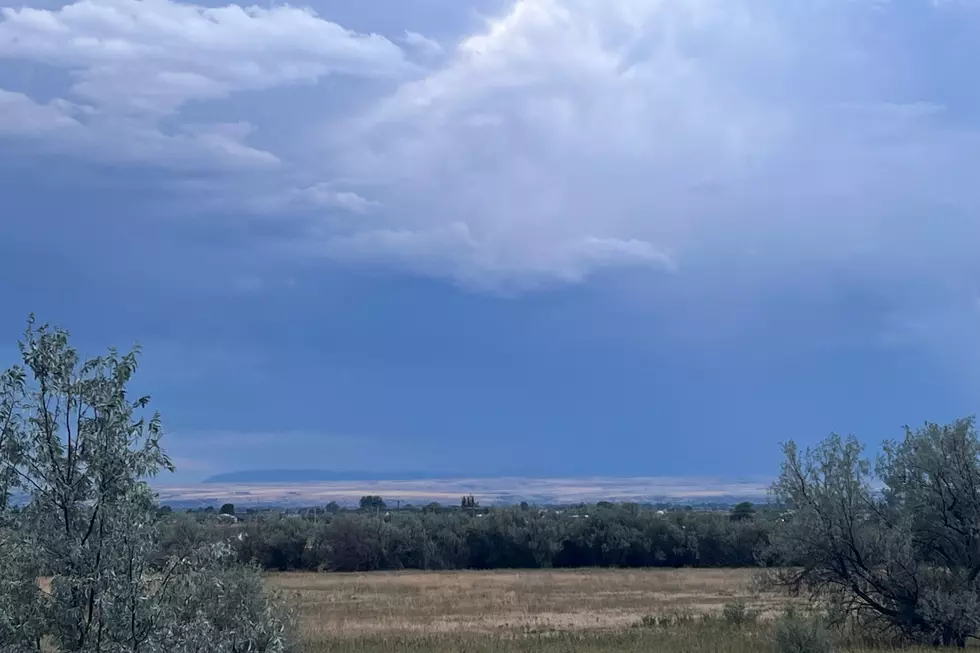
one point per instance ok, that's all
(543, 237)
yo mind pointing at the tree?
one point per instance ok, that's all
(74, 441)
(897, 545)
(354, 545)
(373, 503)
(227, 509)
(743, 510)
(468, 502)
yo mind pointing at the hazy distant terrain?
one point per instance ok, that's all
(486, 490)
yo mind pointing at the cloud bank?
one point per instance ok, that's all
(136, 63)
(561, 138)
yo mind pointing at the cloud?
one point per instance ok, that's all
(561, 138)
(453, 250)
(152, 56)
(422, 44)
(63, 127)
(320, 196)
(220, 141)
(136, 62)
(708, 129)
(20, 115)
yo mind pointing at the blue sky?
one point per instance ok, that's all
(505, 236)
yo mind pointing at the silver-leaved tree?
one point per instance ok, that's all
(894, 546)
(78, 525)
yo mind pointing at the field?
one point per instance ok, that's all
(655, 611)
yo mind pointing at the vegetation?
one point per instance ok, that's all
(555, 611)
(882, 552)
(614, 535)
(743, 510)
(795, 633)
(894, 546)
(373, 503)
(79, 563)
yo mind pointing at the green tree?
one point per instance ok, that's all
(742, 511)
(373, 503)
(227, 509)
(74, 441)
(896, 545)
(468, 502)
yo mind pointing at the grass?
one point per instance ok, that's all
(654, 611)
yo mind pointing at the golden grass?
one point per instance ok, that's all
(516, 611)
(342, 605)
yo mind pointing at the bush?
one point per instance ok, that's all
(738, 614)
(647, 621)
(802, 634)
(665, 621)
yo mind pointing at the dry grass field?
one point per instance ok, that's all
(655, 611)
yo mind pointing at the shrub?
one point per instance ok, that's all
(802, 634)
(738, 614)
(646, 621)
(665, 620)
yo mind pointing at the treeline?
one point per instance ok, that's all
(609, 535)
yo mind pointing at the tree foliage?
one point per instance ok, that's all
(372, 503)
(895, 545)
(80, 564)
(743, 510)
(432, 537)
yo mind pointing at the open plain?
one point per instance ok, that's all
(655, 611)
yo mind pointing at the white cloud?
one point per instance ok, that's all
(20, 115)
(152, 56)
(564, 137)
(452, 250)
(135, 62)
(277, 199)
(324, 195)
(422, 44)
(63, 127)
(696, 127)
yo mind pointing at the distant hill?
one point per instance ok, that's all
(317, 487)
(322, 476)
